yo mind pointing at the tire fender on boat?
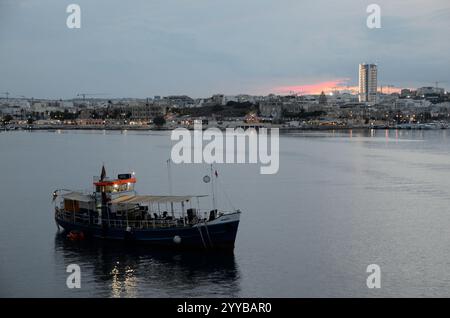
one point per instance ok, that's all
(177, 239)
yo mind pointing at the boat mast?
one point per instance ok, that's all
(104, 207)
(212, 189)
(169, 176)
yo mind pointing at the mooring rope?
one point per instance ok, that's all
(201, 236)
(207, 233)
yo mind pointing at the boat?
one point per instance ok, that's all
(115, 211)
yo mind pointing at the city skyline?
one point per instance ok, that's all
(367, 89)
(329, 87)
(233, 47)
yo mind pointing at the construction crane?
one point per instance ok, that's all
(438, 82)
(389, 87)
(6, 94)
(85, 94)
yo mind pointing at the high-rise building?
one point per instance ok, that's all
(368, 83)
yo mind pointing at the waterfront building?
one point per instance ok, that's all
(90, 122)
(148, 111)
(277, 108)
(405, 103)
(271, 109)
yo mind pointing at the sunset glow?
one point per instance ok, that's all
(317, 88)
(327, 87)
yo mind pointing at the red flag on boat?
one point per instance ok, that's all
(103, 174)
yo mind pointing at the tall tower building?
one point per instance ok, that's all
(368, 83)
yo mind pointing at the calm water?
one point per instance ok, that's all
(340, 202)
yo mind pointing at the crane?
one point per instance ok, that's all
(389, 87)
(438, 82)
(85, 94)
(6, 94)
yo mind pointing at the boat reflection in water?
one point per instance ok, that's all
(109, 269)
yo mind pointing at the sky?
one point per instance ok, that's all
(142, 48)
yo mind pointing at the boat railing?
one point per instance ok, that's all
(143, 224)
(77, 218)
(73, 217)
(154, 223)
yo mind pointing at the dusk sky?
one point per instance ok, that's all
(202, 47)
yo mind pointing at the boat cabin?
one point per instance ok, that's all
(124, 182)
(114, 203)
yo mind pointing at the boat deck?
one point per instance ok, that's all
(153, 223)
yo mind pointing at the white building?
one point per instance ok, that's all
(368, 74)
(405, 103)
(341, 98)
(424, 91)
(148, 112)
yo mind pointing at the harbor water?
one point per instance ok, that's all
(341, 200)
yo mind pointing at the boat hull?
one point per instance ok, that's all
(217, 234)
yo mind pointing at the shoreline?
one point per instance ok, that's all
(281, 129)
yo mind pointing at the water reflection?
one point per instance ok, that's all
(112, 269)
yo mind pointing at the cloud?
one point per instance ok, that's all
(159, 47)
(316, 88)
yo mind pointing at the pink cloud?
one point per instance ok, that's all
(328, 87)
(317, 88)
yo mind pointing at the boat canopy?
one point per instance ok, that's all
(135, 199)
(77, 196)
